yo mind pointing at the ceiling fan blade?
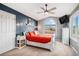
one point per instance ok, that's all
(52, 9)
(42, 8)
(51, 12)
(40, 12)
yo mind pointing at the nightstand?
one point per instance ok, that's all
(20, 42)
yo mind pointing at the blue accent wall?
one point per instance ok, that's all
(20, 18)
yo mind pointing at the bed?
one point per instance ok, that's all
(40, 40)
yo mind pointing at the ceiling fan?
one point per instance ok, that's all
(46, 11)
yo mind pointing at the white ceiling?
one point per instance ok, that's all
(31, 9)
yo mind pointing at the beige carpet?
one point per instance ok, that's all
(59, 50)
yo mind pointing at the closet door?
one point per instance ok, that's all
(11, 31)
(3, 33)
(8, 29)
(0, 32)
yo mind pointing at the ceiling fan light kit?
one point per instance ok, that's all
(47, 11)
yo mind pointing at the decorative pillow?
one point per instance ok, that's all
(31, 33)
(36, 32)
(28, 34)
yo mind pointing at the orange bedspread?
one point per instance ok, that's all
(38, 38)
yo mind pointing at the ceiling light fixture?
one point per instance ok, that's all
(46, 13)
(46, 10)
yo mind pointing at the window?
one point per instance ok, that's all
(49, 25)
(74, 29)
(76, 25)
